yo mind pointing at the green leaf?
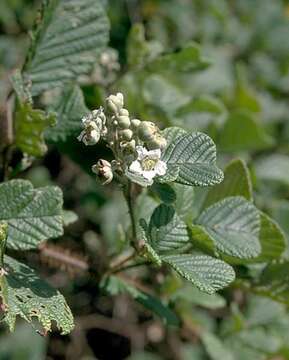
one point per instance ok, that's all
(3, 238)
(23, 293)
(66, 43)
(185, 201)
(137, 48)
(272, 239)
(215, 348)
(274, 282)
(165, 192)
(274, 167)
(32, 215)
(69, 217)
(236, 182)
(207, 273)
(114, 286)
(232, 226)
(29, 129)
(172, 133)
(167, 232)
(242, 132)
(185, 60)
(143, 238)
(195, 155)
(70, 108)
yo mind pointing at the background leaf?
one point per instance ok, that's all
(66, 43)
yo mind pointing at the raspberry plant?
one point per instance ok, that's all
(186, 215)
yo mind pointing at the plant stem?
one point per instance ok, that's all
(129, 200)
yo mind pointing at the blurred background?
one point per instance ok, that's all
(239, 96)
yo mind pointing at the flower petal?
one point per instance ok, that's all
(141, 152)
(154, 154)
(149, 175)
(135, 167)
(161, 168)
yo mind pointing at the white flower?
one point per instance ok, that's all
(147, 165)
(94, 127)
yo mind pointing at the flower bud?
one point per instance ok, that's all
(124, 112)
(158, 142)
(123, 122)
(91, 134)
(135, 123)
(146, 130)
(126, 134)
(115, 103)
(103, 171)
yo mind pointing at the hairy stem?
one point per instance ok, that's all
(129, 200)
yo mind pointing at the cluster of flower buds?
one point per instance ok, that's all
(137, 145)
(94, 127)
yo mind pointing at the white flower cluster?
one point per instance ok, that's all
(137, 145)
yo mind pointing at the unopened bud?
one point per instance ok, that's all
(126, 134)
(146, 130)
(123, 122)
(115, 102)
(124, 112)
(135, 123)
(158, 142)
(103, 171)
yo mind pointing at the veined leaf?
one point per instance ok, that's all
(207, 273)
(236, 182)
(3, 237)
(172, 133)
(184, 202)
(195, 155)
(32, 215)
(114, 286)
(232, 226)
(23, 293)
(67, 42)
(167, 232)
(70, 108)
(143, 237)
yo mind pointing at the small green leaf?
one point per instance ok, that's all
(242, 132)
(32, 215)
(167, 232)
(143, 238)
(236, 182)
(26, 295)
(66, 43)
(70, 108)
(185, 201)
(29, 129)
(195, 155)
(207, 273)
(232, 226)
(69, 217)
(114, 286)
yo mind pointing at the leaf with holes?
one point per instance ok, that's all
(23, 293)
(66, 43)
(70, 108)
(167, 232)
(195, 156)
(232, 226)
(207, 273)
(33, 215)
